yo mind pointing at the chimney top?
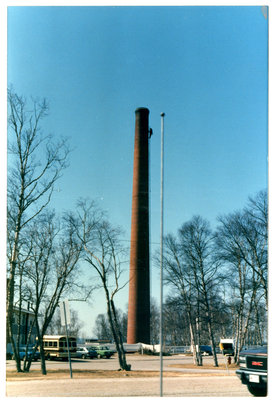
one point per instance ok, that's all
(142, 109)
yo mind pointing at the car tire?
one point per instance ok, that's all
(257, 390)
(83, 356)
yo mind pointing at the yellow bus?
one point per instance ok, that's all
(55, 346)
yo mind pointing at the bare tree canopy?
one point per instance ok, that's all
(36, 162)
(104, 253)
(102, 329)
(191, 268)
(56, 328)
(219, 278)
(51, 270)
(242, 241)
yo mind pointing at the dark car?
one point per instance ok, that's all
(206, 350)
(253, 370)
(92, 353)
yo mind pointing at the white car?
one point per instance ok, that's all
(82, 352)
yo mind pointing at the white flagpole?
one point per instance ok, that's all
(161, 254)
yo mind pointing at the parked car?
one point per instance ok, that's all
(103, 351)
(85, 352)
(92, 353)
(253, 370)
(27, 354)
(206, 350)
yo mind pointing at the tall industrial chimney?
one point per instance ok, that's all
(138, 329)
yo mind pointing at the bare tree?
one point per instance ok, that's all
(175, 275)
(176, 325)
(52, 270)
(103, 252)
(35, 164)
(197, 242)
(242, 245)
(154, 321)
(191, 269)
(255, 230)
(102, 329)
(56, 328)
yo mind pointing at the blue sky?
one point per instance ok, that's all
(205, 67)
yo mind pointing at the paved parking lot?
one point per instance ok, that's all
(138, 362)
(188, 386)
(215, 382)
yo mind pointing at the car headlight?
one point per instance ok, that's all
(242, 361)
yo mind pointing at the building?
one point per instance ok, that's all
(25, 329)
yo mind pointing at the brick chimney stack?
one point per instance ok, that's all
(139, 285)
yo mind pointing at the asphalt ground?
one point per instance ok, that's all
(187, 386)
(138, 362)
(207, 381)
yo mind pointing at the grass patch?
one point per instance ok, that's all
(83, 374)
(97, 374)
(206, 366)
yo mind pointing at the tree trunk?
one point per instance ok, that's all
(10, 286)
(193, 344)
(208, 315)
(199, 354)
(237, 340)
(27, 364)
(43, 363)
(245, 330)
(122, 355)
(118, 342)
(212, 342)
(40, 335)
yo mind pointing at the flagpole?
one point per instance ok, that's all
(161, 254)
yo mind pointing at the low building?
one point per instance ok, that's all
(24, 329)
